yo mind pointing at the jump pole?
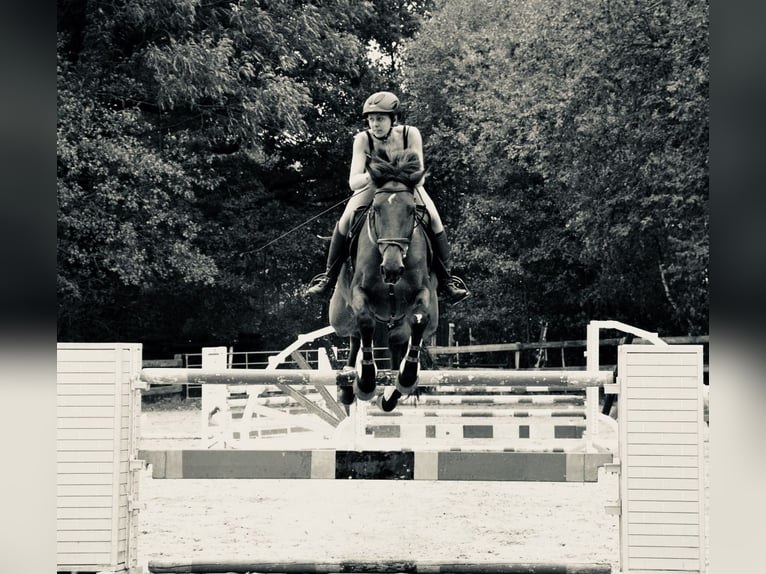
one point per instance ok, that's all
(378, 567)
(324, 464)
(462, 377)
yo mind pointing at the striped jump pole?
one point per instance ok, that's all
(377, 567)
(465, 413)
(324, 464)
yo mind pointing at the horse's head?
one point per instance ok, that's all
(393, 208)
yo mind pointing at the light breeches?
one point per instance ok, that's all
(364, 196)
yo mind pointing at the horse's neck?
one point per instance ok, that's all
(419, 248)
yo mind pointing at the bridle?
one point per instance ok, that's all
(402, 243)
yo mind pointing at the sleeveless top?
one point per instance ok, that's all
(370, 142)
(418, 198)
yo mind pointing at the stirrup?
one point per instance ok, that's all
(318, 285)
(452, 289)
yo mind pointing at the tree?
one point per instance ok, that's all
(191, 135)
(589, 121)
(125, 221)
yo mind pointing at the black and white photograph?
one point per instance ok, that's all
(383, 286)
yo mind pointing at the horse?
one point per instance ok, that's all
(388, 284)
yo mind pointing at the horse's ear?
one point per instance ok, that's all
(417, 176)
(409, 155)
(409, 165)
(379, 161)
(381, 153)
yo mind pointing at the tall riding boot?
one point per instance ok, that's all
(322, 284)
(452, 288)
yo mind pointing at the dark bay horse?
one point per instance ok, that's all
(389, 285)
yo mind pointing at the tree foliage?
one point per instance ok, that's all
(125, 220)
(577, 131)
(190, 135)
(202, 147)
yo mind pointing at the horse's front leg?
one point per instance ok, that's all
(407, 379)
(346, 392)
(364, 385)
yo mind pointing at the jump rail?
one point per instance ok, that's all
(379, 567)
(376, 464)
(488, 377)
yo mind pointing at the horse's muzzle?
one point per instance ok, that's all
(392, 260)
(391, 275)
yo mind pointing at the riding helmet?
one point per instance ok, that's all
(381, 102)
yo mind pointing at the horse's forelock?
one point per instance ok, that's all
(403, 166)
(381, 171)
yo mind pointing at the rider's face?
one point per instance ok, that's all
(379, 123)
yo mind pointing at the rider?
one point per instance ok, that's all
(381, 110)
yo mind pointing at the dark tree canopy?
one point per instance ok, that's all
(572, 140)
(201, 147)
(190, 135)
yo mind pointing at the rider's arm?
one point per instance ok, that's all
(358, 179)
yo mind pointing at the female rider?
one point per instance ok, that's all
(381, 110)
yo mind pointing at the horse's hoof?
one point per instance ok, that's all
(406, 390)
(345, 395)
(387, 406)
(388, 399)
(363, 395)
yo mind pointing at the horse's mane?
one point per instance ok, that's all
(403, 166)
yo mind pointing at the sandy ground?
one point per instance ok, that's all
(331, 520)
